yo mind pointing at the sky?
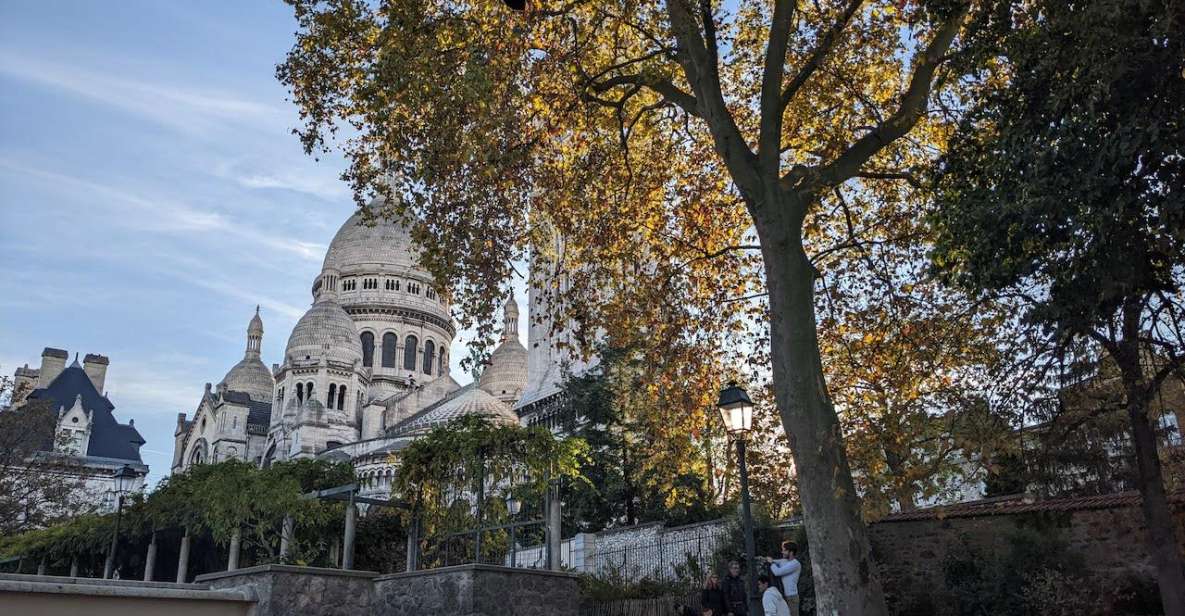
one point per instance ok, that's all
(152, 194)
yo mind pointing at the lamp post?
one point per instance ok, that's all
(124, 479)
(513, 506)
(736, 409)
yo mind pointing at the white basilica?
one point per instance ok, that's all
(366, 368)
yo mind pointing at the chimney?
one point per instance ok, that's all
(96, 368)
(24, 382)
(53, 361)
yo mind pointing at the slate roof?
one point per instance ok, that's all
(1015, 503)
(109, 438)
(468, 400)
(258, 413)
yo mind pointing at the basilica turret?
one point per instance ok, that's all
(505, 375)
(251, 376)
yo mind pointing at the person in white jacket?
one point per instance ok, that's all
(788, 569)
(772, 602)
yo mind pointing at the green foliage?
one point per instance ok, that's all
(209, 500)
(1067, 172)
(996, 582)
(635, 473)
(438, 469)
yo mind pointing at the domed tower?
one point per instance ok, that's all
(321, 385)
(505, 375)
(250, 375)
(402, 320)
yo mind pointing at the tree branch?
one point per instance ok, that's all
(664, 88)
(769, 139)
(819, 54)
(911, 109)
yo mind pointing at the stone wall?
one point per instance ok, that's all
(1108, 532)
(477, 590)
(284, 590)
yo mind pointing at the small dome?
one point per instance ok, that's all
(251, 377)
(466, 401)
(326, 330)
(506, 375)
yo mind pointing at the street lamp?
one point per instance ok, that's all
(736, 410)
(513, 506)
(123, 481)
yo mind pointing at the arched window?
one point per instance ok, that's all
(332, 395)
(300, 393)
(429, 356)
(409, 352)
(308, 391)
(389, 350)
(341, 398)
(367, 349)
(441, 371)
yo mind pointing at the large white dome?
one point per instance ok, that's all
(359, 247)
(325, 331)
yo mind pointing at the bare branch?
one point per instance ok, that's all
(769, 141)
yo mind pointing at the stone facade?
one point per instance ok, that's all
(477, 590)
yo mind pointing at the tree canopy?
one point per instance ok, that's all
(1063, 186)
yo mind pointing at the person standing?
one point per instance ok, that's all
(735, 593)
(772, 602)
(712, 596)
(788, 569)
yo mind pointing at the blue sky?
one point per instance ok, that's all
(151, 194)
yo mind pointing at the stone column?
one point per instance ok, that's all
(348, 536)
(236, 539)
(74, 566)
(150, 559)
(183, 559)
(41, 566)
(553, 527)
(286, 534)
(413, 545)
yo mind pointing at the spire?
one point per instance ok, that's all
(75, 364)
(510, 318)
(254, 336)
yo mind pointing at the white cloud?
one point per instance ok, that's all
(185, 109)
(162, 214)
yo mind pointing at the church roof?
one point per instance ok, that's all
(109, 438)
(252, 377)
(469, 400)
(325, 330)
(506, 373)
(360, 246)
(258, 413)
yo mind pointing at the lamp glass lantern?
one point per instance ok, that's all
(736, 410)
(125, 479)
(513, 505)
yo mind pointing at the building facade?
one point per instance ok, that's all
(366, 368)
(89, 444)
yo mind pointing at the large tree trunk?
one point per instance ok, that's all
(1163, 546)
(846, 580)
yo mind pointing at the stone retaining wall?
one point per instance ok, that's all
(285, 590)
(477, 590)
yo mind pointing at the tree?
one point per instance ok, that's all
(642, 466)
(667, 143)
(37, 487)
(1064, 186)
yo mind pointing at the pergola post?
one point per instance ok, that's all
(286, 533)
(41, 565)
(232, 561)
(553, 526)
(413, 544)
(74, 566)
(150, 559)
(183, 558)
(348, 538)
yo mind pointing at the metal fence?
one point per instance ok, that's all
(519, 545)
